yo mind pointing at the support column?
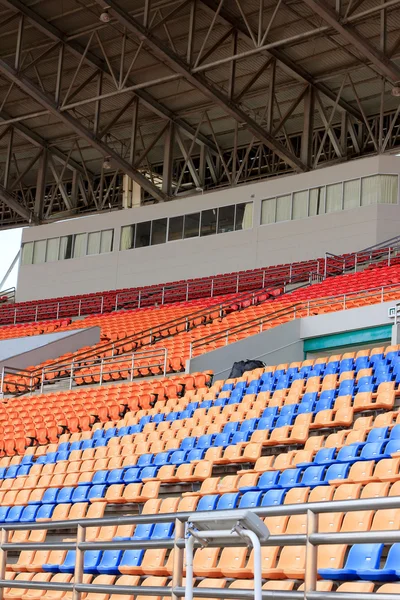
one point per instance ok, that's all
(168, 159)
(40, 186)
(132, 193)
(307, 135)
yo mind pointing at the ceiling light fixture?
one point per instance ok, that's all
(105, 17)
(107, 164)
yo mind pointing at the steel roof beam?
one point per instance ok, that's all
(38, 141)
(293, 69)
(199, 82)
(75, 48)
(12, 203)
(27, 86)
(384, 65)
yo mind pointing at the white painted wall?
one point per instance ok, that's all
(263, 245)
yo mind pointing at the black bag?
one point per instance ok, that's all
(242, 366)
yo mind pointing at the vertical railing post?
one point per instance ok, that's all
(102, 305)
(263, 280)
(326, 265)
(79, 556)
(308, 308)
(80, 307)
(15, 315)
(132, 365)
(389, 255)
(58, 310)
(71, 374)
(177, 569)
(163, 295)
(2, 382)
(101, 371)
(187, 291)
(42, 382)
(36, 312)
(116, 301)
(290, 272)
(140, 298)
(382, 294)
(310, 576)
(3, 558)
(344, 301)
(227, 338)
(165, 361)
(237, 283)
(191, 350)
(212, 288)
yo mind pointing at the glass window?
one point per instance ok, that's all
(300, 205)
(175, 229)
(127, 237)
(94, 242)
(80, 245)
(39, 252)
(159, 232)
(388, 189)
(284, 208)
(334, 197)
(351, 194)
(317, 202)
(52, 249)
(106, 242)
(208, 222)
(65, 247)
(191, 226)
(244, 216)
(226, 219)
(27, 253)
(268, 210)
(379, 189)
(143, 234)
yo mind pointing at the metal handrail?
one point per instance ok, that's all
(311, 539)
(291, 311)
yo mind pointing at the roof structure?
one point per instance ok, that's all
(186, 95)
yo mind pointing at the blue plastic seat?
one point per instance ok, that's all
(11, 472)
(374, 451)
(50, 496)
(208, 503)
(306, 407)
(392, 446)
(313, 477)
(378, 434)
(289, 478)
(324, 456)
(80, 494)
(362, 363)
(62, 455)
(187, 444)
(228, 501)
(132, 475)
(174, 416)
(285, 420)
(133, 429)
(205, 441)
(268, 480)
(100, 477)
(64, 446)
(395, 433)
(29, 513)
(145, 460)
(99, 433)
(250, 500)
(288, 409)
(97, 491)
(337, 471)
(196, 454)
(179, 457)
(222, 440)
(248, 425)
(3, 513)
(65, 495)
(346, 364)
(309, 396)
(90, 562)
(100, 443)
(149, 472)
(361, 557)
(273, 498)
(87, 444)
(116, 476)
(324, 404)
(391, 570)
(265, 423)
(227, 387)
(45, 511)
(240, 437)
(143, 531)
(132, 558)
(109, 562)
(125, 430)
(231, 427)
(144, 420)
(14, 514)
(23, 470)
(162, 458)
(162, 531)
(270, 411)
(350, 453)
